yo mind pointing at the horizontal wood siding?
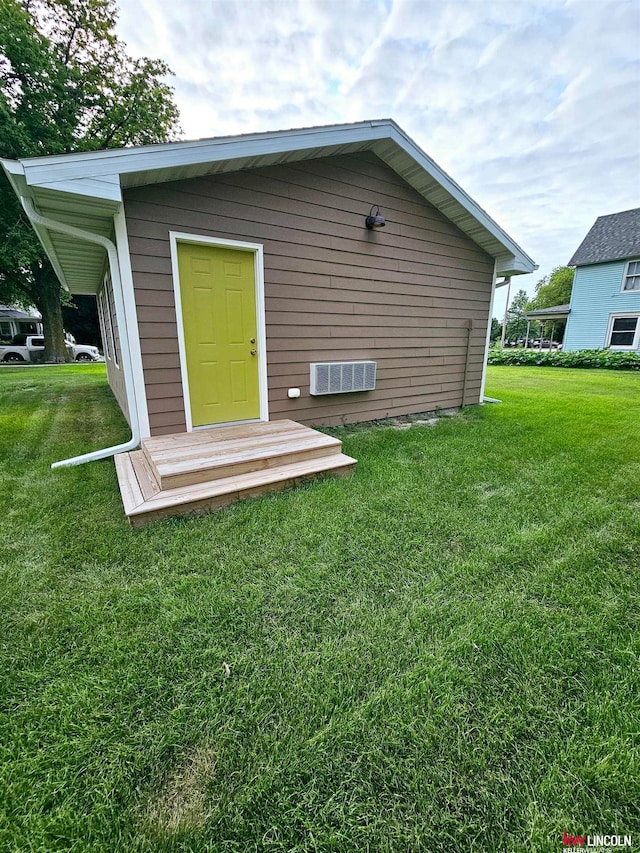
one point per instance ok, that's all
(407, 296)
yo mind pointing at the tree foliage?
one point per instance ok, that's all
(66, 84)
(81, 319)
(554, 289)
(516, 319)
(496, 329)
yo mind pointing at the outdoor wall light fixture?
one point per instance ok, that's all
(374, 220)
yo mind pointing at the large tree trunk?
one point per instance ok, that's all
(47, 288)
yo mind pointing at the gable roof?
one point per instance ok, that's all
(85, 189)
(612, 238)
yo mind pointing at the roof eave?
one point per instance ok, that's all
(100, 176)
(81, 202)
(515, 260)
(510, 265)
(576, 262)
(126, 161)
(15, 173)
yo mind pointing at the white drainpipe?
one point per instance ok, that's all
(114, 267)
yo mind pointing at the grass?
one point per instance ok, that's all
(440, 653)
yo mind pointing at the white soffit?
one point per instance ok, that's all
(78, 264)
(85, 189)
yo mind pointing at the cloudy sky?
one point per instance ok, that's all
(533, 106)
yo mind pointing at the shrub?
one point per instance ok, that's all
(556, 358)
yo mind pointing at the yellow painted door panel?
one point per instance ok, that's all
(217, 290)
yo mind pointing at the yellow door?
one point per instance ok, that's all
(217, 289)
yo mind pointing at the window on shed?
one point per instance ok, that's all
(623, 332)
(104, 328)
(110, 314)
(632, 276)
(106, 315)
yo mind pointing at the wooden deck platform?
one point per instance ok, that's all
(207, 469)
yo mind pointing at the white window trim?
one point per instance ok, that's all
(625, 275)
(102, 314)
(176, 237)
(106, 322)
(636, 338)
(108, 299)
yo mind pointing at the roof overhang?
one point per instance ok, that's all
(78, 264)
(557, 312)
(85, 189)
(6, 312)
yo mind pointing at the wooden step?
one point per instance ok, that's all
(213, 495)
(215, 454)
(205, 470)
(145, 473)
(282, 427)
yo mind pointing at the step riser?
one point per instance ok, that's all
(253, 431)
(206, 505)
(247, 466)
(199, 443)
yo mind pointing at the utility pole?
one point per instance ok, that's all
(506, 308)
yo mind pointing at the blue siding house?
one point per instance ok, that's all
(605, 300)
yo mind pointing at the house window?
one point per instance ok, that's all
(631, 280)
(623, 332)
(104, 325)
(108, 297)
(105, 314)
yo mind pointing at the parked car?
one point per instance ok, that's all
(82, 352)
(535, 344)
(30, 348)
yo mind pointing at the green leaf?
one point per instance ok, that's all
(66, 84)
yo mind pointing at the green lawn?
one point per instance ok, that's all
(438, 654)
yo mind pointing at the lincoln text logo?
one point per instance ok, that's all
(601, 842)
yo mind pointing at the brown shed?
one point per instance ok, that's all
(239, 281)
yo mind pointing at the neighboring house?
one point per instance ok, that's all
(14, 321)
(605, 300)
(236, 264)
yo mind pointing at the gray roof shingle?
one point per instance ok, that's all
(611, 238)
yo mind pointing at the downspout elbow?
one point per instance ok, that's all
(114, 267)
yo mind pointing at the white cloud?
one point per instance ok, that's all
(532, 106)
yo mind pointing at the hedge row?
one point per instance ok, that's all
(556, 358)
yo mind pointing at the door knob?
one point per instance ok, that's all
(252, 340)
(253, 351)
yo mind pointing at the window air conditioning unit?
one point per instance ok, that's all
(341, 377)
